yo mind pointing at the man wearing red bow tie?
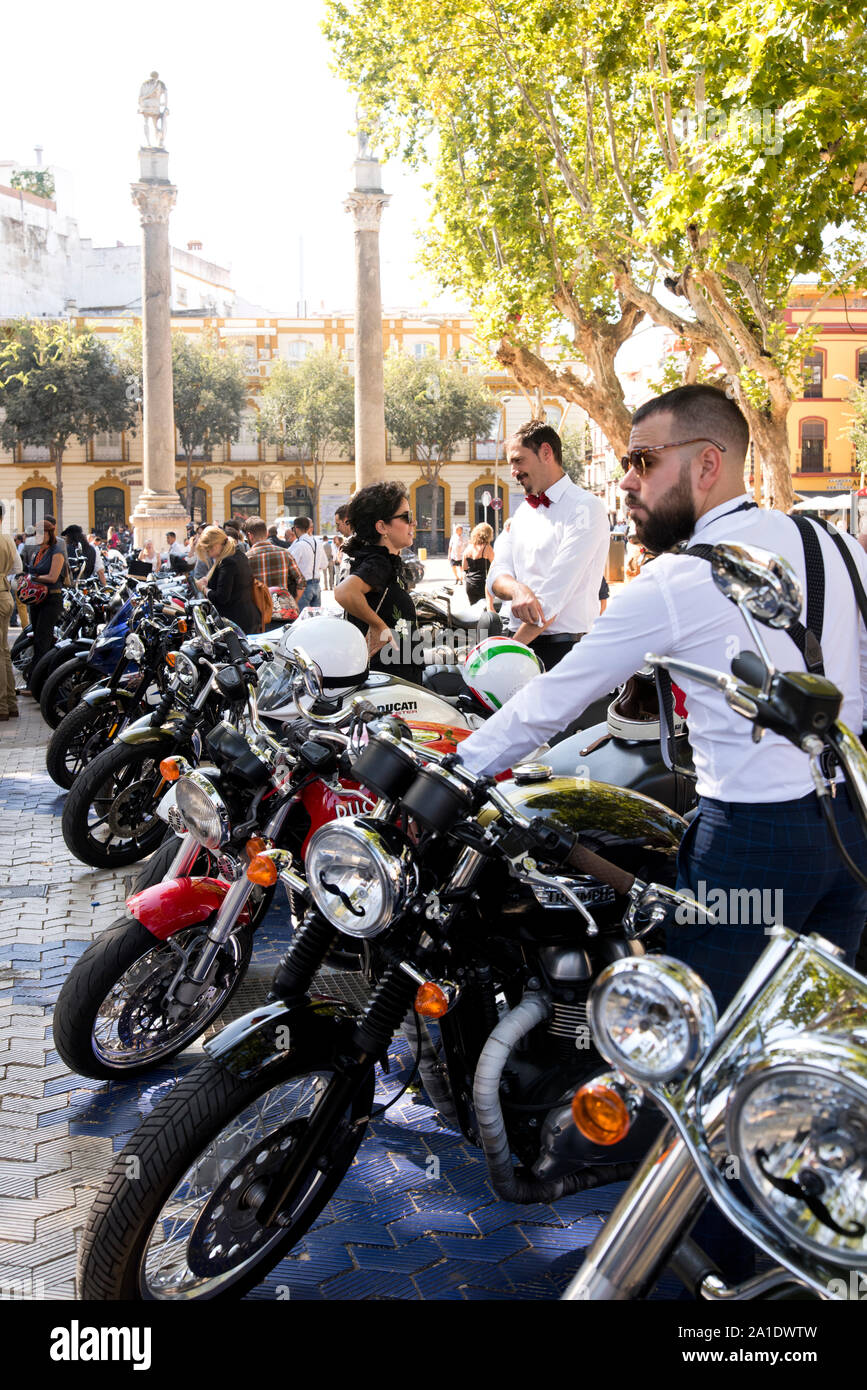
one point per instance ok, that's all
(551, 561)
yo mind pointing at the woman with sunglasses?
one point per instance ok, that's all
(375, 596)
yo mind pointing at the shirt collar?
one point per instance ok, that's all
(556, 490)
(731, 504)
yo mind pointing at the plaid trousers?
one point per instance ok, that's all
(786, 853)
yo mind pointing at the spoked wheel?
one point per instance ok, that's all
(64, 688)
(113, 1020)
(22, 661)
(85, 732)
(110, 817)
(186, 1227)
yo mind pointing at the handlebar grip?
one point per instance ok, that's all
(584, 861)
(234, 646)
(749, 668)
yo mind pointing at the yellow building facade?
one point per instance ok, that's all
(822, 456)
(103, 479)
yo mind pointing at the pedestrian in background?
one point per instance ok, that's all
(272, 565)
(10, 563)
(457, 546)
(48, 567)
(228, 582)
(476, 563)
(309, 555)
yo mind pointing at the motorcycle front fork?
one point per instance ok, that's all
(655, 1212)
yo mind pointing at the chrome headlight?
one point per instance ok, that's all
(185, 670)
(203, 810)
(356, 880)
(134, 647)
(797, 1122)
(654, 1018)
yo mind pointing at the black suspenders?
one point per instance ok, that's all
(808, 639)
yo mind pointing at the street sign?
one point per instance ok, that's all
(497, 503)
(486, 499)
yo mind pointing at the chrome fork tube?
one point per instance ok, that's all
(230, 909)
(654, 1214)
(188, 852)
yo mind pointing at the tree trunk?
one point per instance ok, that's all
(189, 454)
(771, 440)
(602, 398)
(433, 479)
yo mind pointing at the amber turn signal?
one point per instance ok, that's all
(182, 624)
(256, 845)
(169, 769)
(431, 1001)
(170, 659)
(263, 871)
(601, 1113)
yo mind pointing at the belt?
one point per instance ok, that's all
(560, 637)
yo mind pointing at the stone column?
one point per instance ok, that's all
(366, 202)
(159, 508)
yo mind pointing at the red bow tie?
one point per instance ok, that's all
(542, 499)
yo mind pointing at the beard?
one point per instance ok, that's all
(671, 521)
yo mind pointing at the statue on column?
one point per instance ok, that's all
(152, 104)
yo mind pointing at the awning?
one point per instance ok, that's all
(823, 502)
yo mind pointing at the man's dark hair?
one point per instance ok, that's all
(342, 513)
(74, 532)
(256, 527)
(535, 433)
(378, 502)
(702, 411)
(272, 531)
(173, 534)
(303, 523)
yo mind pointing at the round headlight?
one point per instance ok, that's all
(356, 881)
(798, 1125)
(203, 810)
(651, 1017)
(185, 670)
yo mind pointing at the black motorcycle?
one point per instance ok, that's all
(484, 908)
(85, 610)
(138, 681)
(110, 816)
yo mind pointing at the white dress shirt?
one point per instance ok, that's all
(559, 552)
(674, 608)
(309, 555)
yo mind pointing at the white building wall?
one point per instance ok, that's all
(40, 254)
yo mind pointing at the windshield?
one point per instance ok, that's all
(274, 691)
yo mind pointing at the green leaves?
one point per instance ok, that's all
(431, 406)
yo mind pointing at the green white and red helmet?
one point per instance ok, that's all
(498, 668)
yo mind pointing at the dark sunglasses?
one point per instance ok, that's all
(642, 459)
(404, 516)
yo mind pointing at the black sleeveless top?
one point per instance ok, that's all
(390, 599)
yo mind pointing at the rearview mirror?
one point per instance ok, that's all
(758, 580)
(311, 673)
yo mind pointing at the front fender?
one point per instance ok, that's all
(166, 908)
(143, 731)
(270, 1036)
(102, 694)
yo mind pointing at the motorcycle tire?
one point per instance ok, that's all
(81, 736)
(22, 660)
(195, 1142)
(44, 667)
(64, 688)
(107, 1022)
(122, 781)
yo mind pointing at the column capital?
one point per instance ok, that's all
(154, 201)
(366, 209)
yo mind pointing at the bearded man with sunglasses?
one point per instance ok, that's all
(759, 824)
(551, 561)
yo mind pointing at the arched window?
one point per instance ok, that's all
(200, 503)
(425, 535)
(861, 367)
(298, 501)
(812, 446)
(36, 502)
(244, 501)
(108, 510)
(813, 372)
(480, 511)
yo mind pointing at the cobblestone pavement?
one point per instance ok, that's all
(414, 1218)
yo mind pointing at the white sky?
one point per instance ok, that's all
(259, 138)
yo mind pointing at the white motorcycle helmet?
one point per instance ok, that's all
(634, 714)
(498, 668)
(336, 646)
